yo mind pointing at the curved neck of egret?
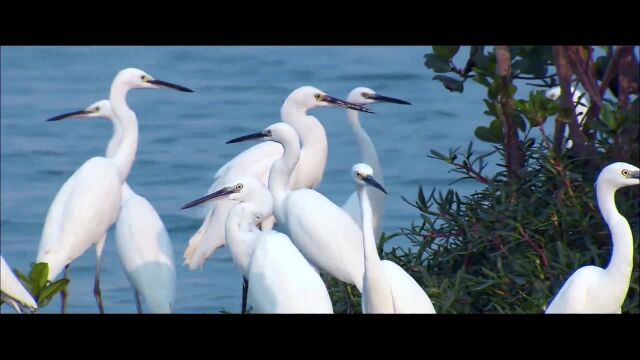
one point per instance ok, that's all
(127, 193)
(116, 138)
(375, 283)
(241, 235)
(313, 138)
(126, 152)
(282, 169)
(621, 263)
(368, 153)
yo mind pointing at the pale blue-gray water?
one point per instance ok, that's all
(238, 90)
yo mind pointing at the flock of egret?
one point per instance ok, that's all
(272, 184)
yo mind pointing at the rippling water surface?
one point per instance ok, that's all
(237, 90)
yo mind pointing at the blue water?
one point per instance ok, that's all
(237, 90)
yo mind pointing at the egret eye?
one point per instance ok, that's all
(143, 77)
(626, 172)
(239, 187)
(365, 95)
(318, 96)
(268, 132)
(358, 174)
(97, 108)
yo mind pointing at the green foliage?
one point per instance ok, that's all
(511, 245)
(37, 284)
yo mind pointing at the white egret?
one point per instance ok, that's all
(13, 292)
(581, 104)
(88, 203)
(592, 289)
(387, 288)
(146, 254)
(282, 280)
(323, 232)
(142, 240)
(257, 160)
(368, 155)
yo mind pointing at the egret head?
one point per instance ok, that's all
(137, 79)
(309, 97)
(618, 175)
(100, 109)
(363, 176)
(278, 132)
(243, 189)
(364, 96)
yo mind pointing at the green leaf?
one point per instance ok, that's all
(485, 134)
(496, 130)
(436, 63)
(482, 80)
(421, 199)
(450, 83)
(494, 90)
(51, 290)
(445, 52)
(520, 123)
(439, 155)
(38, 276)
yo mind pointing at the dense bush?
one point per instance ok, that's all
(509, 247)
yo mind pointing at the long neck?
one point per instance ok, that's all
(371, 257)
(282, 169)
(241, 236)
(621, 262)
(126, 153)
(116, 138)
(379, 297)
(312, 135)
(368, 153)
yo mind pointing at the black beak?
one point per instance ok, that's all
(217, 194)
(67, 115)
(635, 174)
(345, 104)
(372, 182)
(258, 135)
(169, 85)
(388, 99)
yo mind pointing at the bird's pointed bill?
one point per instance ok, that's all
(169, 85)
(373, 182)
(220, 193)
(80, 113)
(255, 136)
(345, 104)
(635, 174)
(382, 98)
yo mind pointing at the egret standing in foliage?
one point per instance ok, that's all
(368, 155)
(592, 289)
(387, 288)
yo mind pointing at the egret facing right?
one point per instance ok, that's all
(592, 289)
(387, 288)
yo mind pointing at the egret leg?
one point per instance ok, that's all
(349, 307)
(64, 293)
(245, 291)
(138, 304)
(96, 286)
